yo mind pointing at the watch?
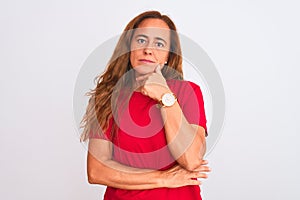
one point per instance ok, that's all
(168, 99)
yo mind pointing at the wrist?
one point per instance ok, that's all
(161, 92)
(168, 99)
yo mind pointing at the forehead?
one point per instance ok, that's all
(153, 27)
(152, 22)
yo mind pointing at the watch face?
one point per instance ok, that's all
(168, 99)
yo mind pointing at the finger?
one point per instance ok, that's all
(199, 175)
(158, 70)
(202, 175)
(140, 83)
(203, 168)
(206, 169)
(144, 92)
(194, 182)
(204, 162)
(177, 167)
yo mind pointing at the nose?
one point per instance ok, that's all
(148, 50)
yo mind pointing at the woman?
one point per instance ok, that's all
(154, 126)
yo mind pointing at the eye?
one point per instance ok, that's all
(141, 41)
(160, 44)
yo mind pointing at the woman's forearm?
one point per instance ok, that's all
(114, 174)
(186, 141)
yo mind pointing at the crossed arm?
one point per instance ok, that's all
(186, 143)
(102, 169)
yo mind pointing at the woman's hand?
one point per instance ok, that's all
(154, 84)
(178, 176)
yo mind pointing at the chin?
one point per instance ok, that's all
(145, 69)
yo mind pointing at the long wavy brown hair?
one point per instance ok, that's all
(99, 109)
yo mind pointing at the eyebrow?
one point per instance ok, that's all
(157, 38)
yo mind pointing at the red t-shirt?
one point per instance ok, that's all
(140, 140)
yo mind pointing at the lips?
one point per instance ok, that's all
(146, 61)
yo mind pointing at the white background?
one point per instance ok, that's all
(254, 45)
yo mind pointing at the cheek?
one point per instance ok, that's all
(163, 56)
(133, 58)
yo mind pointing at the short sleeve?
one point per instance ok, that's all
(100, 134)
(193, 106)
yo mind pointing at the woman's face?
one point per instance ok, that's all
(150, 45)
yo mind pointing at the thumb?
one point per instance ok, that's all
(158, 70)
